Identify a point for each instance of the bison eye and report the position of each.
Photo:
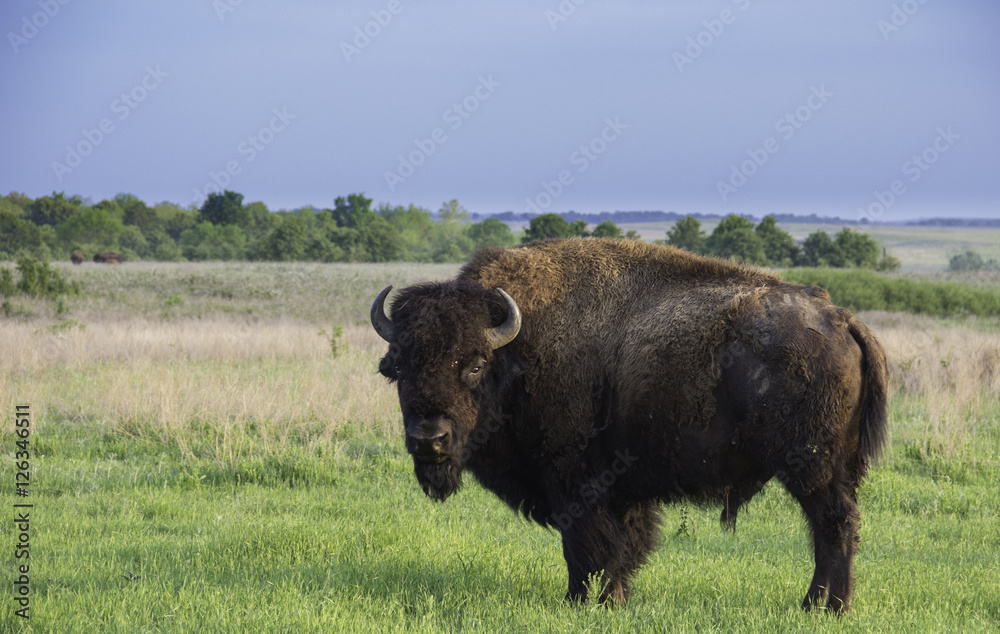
(472, 374)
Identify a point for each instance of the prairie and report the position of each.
(212, 450)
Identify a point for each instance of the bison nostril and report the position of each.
(429, 444)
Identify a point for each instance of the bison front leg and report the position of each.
(609, 547)
(591, 546)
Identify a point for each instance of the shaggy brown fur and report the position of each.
(76, 258)
(641, 374)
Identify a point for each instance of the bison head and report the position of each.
(442, 339)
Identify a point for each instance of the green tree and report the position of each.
(17, 203)
(553, 226)
(415, 227)
(491, 232)
(607, 229)
(17, 233)
(972, 261)
(112, 207)
(93, 227)
(379, 242)
(449, 238)
(223, 209)
(818, 249)
(687, 234)
(779, 246)
(452, 211)
(260, 221)
(206, 241)
(287, 241)
(856, 249)
(734, 237)
(967, 261)
(321, 249)
(135, 212)
(133, 244)
(52, 210)
(175, 219)
(355, 211)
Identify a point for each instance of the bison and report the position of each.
(108, 257)
(587, 381)
(76, 258)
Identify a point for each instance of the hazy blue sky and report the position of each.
(747, 106)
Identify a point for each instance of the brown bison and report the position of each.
(108, 257)
(609, 376)
(76, 258)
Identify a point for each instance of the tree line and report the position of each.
(226, 228)
(738, 238)
(765, 244)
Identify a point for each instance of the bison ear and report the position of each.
(382, 324)
(388, 368)
(505, 332)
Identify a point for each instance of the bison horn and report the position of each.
(505, 333)
(382, 324)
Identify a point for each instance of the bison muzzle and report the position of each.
(586, 382)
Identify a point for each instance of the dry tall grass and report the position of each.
(251, 386)
(945, 381)
(254, 386)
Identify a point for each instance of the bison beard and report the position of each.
(438, 480)
(617, 376)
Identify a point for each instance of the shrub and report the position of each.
(38, 279)
(866, 290)
(972, 261)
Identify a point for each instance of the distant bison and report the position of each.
(586, 381)
(76, 258)
(108, 257)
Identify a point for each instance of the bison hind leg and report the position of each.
(736, 497)
(833, 516)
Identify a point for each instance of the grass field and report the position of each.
(209, 454)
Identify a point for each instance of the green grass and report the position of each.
(319, 525)
(129, 534)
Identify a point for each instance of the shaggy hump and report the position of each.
(543, 271)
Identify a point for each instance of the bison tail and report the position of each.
(873, 427)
